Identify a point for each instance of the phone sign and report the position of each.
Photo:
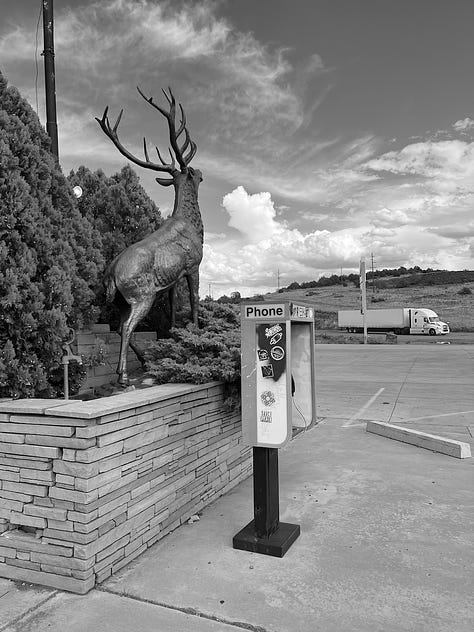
(264, 311)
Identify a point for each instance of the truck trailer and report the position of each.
(402, 320)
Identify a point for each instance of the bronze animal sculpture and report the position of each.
(158, 262)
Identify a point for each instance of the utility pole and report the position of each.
(49, 76)
(278, 278)
(363, 298)
(341, 276)
(373, 276)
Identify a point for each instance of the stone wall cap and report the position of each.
(94, 408)
(34, 406)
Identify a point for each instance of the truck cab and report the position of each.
(426, 321)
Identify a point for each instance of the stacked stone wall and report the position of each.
(100, 347)
(86, 487)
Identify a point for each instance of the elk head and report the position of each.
(181, 155)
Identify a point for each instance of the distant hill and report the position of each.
(438, 277)
(386, 278)
(449, 294)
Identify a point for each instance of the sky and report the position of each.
(327, 130)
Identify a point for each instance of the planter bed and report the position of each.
(86, 487)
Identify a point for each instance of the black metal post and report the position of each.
(49, 76)
(265, 533)
(266, 502)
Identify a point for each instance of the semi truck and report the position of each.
(403, 320)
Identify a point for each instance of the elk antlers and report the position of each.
(179, 152)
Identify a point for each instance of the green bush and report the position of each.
(196, 355)
(50, 256)
(465, 290)
(325, 320)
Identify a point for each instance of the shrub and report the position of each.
(49, 255)
(196, 355)
(464, 291)
(325, 320)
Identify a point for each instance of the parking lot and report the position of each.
(424, 387)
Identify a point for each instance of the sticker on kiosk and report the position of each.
(271, 383)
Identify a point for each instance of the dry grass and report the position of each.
(445, 300)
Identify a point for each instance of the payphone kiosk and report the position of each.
(278, 401)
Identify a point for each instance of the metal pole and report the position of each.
(49, 76)
(373, 275)
(66, 378)
(265, 491)
(363, 296)
(265, 533)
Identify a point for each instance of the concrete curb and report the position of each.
(458, 449)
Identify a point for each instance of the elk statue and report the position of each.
(174, 251)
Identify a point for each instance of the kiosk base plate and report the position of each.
(276, 544)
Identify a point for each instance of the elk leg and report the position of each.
(124, 310)
(137, 312)
(137, 351)
(193, 285)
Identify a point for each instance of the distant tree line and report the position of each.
(389, 278)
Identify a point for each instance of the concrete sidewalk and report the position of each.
(386, 536)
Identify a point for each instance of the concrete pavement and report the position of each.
(427, 388)
(386, 528)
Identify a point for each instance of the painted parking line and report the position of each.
(353, 421)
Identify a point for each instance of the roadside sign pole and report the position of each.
(363, 294)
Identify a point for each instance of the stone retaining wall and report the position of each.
(85, 487)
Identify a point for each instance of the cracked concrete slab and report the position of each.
(17, 598)
(112, 613)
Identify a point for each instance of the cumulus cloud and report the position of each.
(446, 159)
(250, 261)
(425, 183)
(252, 215)
(391, 217)
(266, 244)
(463, 124)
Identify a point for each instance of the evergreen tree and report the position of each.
(118, 207)
(49, 255)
